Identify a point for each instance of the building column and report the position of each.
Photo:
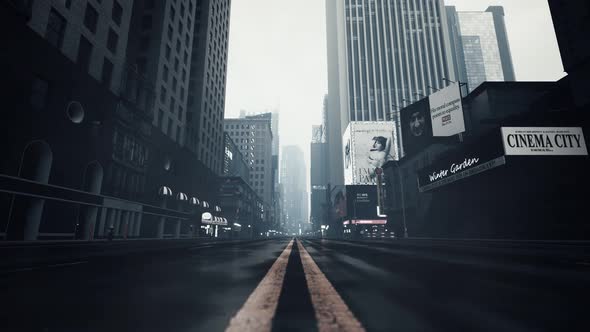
(131, 228)
(125, 223)
(102, 221)
(32, 218)
(177, 228)
(160, 232)
(137, 230)
(87, 219)
(118, 222)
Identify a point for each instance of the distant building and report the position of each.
(381, 58)
(318, 178)
(242, 207)
(480, 46)
(293, 179)
(234, 164)
(253, 136)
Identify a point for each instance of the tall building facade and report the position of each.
(161, 49)
(91, 33)
(293, 179)
(386, 54)
(253, 136)
(318, 178)
(206, 92)
(480, 46)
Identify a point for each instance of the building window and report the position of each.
(160, 116)
(56, 28)
(117, 12)
(162, 94)
(170, 32)
(68, 4)
(168, 51)
(84, 53)
(172, 13)
(107, 72)
(112, 41)
(91, 18)
(165, 74)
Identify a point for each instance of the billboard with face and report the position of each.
(368, 145)
(416, 126)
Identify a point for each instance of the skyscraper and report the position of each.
(253, 136)
(206, 92)
(293, 178)
(480, 46)
(389, 54)
(161, 47)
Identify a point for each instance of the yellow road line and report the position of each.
(260, 308)
(331, 313)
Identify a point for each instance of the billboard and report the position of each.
(544, 141)
(416, 126)
(460, 164)
(362, 204)
(337, 203)
(367, 145)
(446, 111)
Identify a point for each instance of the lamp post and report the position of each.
(401, 184)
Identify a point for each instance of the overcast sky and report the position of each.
(277, 56)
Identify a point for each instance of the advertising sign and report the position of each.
(362, 203)
(459, 165)
(416, 126)
(446, 111)
(544, 141)
(367, 146)
(338, 202)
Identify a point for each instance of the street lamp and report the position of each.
(401, 184)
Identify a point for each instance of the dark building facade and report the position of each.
(516, 197)
(207, 80)
(81, 157)
(319, 179)
(242, 206)
(570, 19)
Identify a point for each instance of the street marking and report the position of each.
(35, 268)
(331, 313)
(200, 247)
(259, 309)
(68, 264)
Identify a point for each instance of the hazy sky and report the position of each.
(277, 56)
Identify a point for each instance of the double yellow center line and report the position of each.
(331, 313)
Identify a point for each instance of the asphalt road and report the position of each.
(390, 288)
(192, 289)
(386, 287)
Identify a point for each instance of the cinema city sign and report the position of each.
(544, 141)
